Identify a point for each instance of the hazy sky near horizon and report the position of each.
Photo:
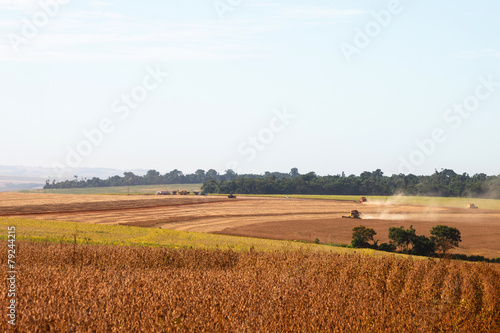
(255, 86)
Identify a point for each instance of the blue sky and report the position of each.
(229, 77)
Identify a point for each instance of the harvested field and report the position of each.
(83, 288)
(35, 204)
(133, 189)
(274, 218)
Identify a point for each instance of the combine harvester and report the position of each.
(354, 215)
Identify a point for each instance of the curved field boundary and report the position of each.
(67, 232)
(87, 207)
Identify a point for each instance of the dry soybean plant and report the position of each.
(91, 288)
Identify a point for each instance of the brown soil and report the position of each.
(275, 218)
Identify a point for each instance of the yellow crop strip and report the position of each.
(85, 233)
(65, 232)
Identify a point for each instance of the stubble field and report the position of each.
(273, 218)
(179, 281)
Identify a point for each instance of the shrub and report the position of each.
(387, 247)
(361, 235)
(423, 246)
(445, 238)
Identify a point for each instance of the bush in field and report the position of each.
(361, 235)
(402, 238)
(445, 238)
(387, 247)
(473, 258)
(423, 246)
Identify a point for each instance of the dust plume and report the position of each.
(384, 216)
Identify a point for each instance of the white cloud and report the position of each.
(95, 15)
(101, 4)
(75, 38)
(315, 12)
(106, 35)
(305, 11)
(149, 53)
(17, 4)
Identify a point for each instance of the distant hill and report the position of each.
(15, 178)
(16, 183)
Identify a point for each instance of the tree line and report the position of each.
(444, 183)
(152, 177)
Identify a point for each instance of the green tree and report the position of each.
(175, 177)
(230, 175)
(423, 246)
(294, 172)
(200, 175)
(310, 176)
(152, 177)
(361, 235)
(212, 174)
(210, 186)
(445, 238)
(402, 237)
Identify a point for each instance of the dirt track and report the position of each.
(276, 218)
